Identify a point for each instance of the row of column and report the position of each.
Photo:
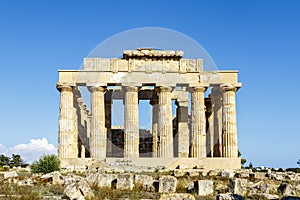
(162, 123)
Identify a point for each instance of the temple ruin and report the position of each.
(201, 134)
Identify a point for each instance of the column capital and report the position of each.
(131, 89)
(228, 87)
(64, 87)
(165, 89)
(199, 88)
(96, 88)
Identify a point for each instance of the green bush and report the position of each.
(46, 164)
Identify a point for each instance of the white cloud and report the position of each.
(30, 151)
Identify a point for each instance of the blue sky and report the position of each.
(261, 39)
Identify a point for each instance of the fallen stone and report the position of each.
(285, 189)
(177, 196)
(179, 173)
(274, 176)
(204, 187)
(227, 173)
(167, 184)
(229, 197)
(55, 177)
(11, 174)
(145, 181)
(101, 180)
(70, 179)
(259, 187)
(85, 189)
(238, 186)
(73, 193)
(125, 182)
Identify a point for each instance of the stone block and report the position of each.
(11, 174)
(285, 189)
(125, 182)
(259, 187)
(227, 173)
(167, 184)
(72, 192)
(144, 180)
(204, 187)
(238, 186)
(101, 180)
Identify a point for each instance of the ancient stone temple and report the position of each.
(202, 133)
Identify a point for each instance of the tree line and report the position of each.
(14, 161)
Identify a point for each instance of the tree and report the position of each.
(16, 160)
(250, 165)
(4, 160)
(46, 164)
(243, 160)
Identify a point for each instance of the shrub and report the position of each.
(46, 164)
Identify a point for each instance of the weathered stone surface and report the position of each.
(79, 191)
(204, 187)
(285, 189)
(27, 181)
(85, 189)
(259, 187)
(71, 178)
(227, 173)
(125, 182)
(177, 196)
(144, 180)
(101, 180)
(274, 176)
(73, 193)
(238, 186)
(167, 184)
(179, 173)
(54, 177)
(11, 174)
(229, 197)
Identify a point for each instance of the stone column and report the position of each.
(182, 128)
(229, 132)
(165, 128)
(131, 128)
(155, 108)
(98, 130)
(198, 146)
(108, 127)
(216, 120)
(67, 136)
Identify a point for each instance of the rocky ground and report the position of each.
(176, 184)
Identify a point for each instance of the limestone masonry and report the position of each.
(205, 137)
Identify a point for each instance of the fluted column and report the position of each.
(108, 127)
(229, 132)
(165, 128)
(216, 120)
(98, 130)
(182, 128)
(155, 108)
(131, 128)
(198, 146)
(67, 137)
